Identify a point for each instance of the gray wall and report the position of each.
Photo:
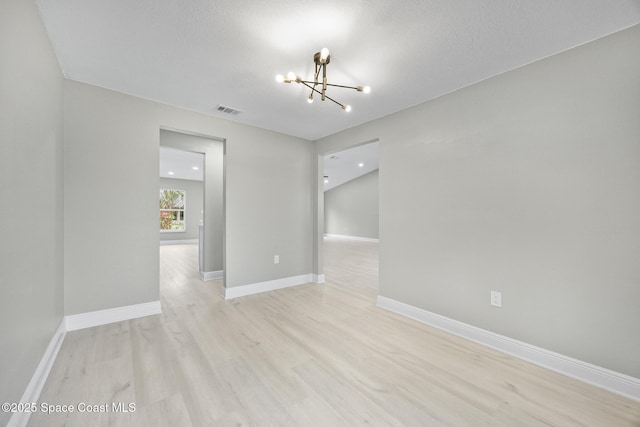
(112, 153)
(527, 183)
(194, 206)
(31, 144)
(351, 209)
(213, 191)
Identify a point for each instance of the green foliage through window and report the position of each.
(172, 206)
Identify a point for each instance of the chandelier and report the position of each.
(321, 59)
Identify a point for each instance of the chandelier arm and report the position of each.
(308, 84)
(317, 91)
(330, 84)
(331, 99)
(324, 80)
(343, 86)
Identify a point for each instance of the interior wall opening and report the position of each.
(348, 203)
(192, 175)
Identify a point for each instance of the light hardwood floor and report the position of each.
(312, 355)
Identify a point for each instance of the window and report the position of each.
(172, 206)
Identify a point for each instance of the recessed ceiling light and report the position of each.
(195, 168)
(360, 164)
(170, 173)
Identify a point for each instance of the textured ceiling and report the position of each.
(197, 54)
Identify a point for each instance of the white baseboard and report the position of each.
(34, 388)
(317, 278)
(607, 379)
(178, 242)
(211, 275)
(111, 315)
(270, 285)
(72, 323)
(362, 239)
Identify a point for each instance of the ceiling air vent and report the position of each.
(228, 110)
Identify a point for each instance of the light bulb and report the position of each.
(291, 75)
(310, 99)
(280, 78)
(324, 54)
(347, 108)
(326, 181)
(360, 164)
(366, 89)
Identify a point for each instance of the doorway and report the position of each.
(350, 182)
(211, 222)
(347, 197)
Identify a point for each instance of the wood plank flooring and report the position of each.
(312, 355)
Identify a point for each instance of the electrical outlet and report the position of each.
(496, 299)
(276, 259)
